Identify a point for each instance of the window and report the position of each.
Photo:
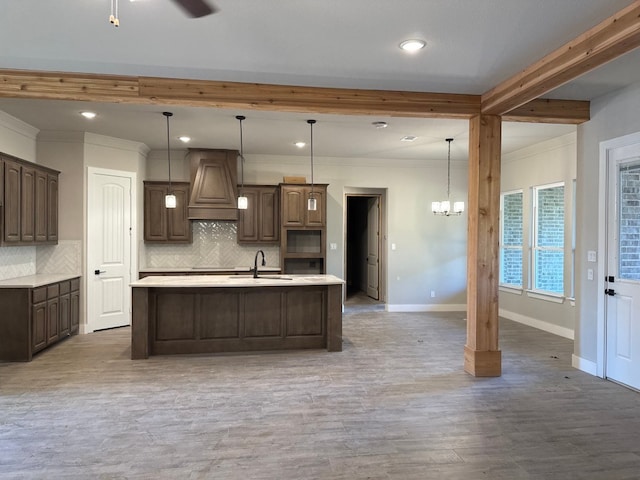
(548, 239)
(511, 239)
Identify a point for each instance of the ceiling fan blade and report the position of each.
(196, 8)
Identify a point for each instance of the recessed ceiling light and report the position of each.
(88, 115)
(184, 139)
(408, 138)
(380, 124)
(412, 45)
(300, 144)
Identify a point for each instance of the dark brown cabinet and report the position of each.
(166, 225)
(294, 205)
(30, 203)
(37, 317)
(260, 222)
(303, 232)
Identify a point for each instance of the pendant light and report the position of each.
(312, 204)
(170, 198)
(243, 202)
(444, 208)
(113, 18)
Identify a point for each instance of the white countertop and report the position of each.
(33, 281)
(205, 269)
(264, 280)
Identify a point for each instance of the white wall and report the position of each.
(544, 163)
(612, 115)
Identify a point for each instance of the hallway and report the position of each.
(395, 404)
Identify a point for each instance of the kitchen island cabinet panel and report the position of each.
(175, 317)
(262, 314)
(219, 316)
(304, 315)
(211, 314)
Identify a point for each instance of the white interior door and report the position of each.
(622, 305)
(109, 249)
(373, 248)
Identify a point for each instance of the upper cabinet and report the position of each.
(214, 178)
(167, 225)
(29, 203)
(260, 222)
(294, 205)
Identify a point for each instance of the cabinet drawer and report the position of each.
(39, 295)
(53, 291)
(75, 284)
(65, 287)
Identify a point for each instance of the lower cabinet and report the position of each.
(37, 318)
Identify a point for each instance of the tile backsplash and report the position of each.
(65, 257)
(17, 262)
(214, 245)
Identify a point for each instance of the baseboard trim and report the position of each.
(584, 365)
(445, 307)
(539, 324)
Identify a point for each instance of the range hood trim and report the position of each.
(214, 179)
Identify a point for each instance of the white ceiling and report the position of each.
(471, 46)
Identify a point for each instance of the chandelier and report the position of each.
(444, 207)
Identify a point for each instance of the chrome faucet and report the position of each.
(255, 263)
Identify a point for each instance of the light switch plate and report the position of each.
(334, 246)
(591, 256)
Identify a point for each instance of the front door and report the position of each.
(109, 249)
(373, 247)
(622, 305)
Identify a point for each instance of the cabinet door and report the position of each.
(269, 219)
(41, 201)
(52, 208)
(53, 319)
(248, 219)
(74, 311)
(12, 199)
(64, 326)
(178, 225)
(155, 214)
(27, 211)
(293, 206)
(316, 218)
(39, 326)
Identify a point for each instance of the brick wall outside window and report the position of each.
(548, 249)
(511, 239)
(629, 223)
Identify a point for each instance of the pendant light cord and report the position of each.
(240, 118)
(168, 114)
(449, 140)
(311, 122)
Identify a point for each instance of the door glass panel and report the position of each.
(629, 221)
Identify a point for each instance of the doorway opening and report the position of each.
(364, 253)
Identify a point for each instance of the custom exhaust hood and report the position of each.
(214, 184)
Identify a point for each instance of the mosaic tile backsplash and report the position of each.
(214, 245)
(17, 262)
(65, 257)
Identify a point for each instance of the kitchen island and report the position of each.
(235, 313)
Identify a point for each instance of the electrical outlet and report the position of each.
(433, 294)
(590, 274)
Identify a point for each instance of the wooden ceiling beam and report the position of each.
(206, 93)
(541, 110)
(610, 39)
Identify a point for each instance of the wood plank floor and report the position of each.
(395, 404)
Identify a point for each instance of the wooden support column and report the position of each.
(482, 358)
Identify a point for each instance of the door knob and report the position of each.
(98, 272)
(610, 291)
